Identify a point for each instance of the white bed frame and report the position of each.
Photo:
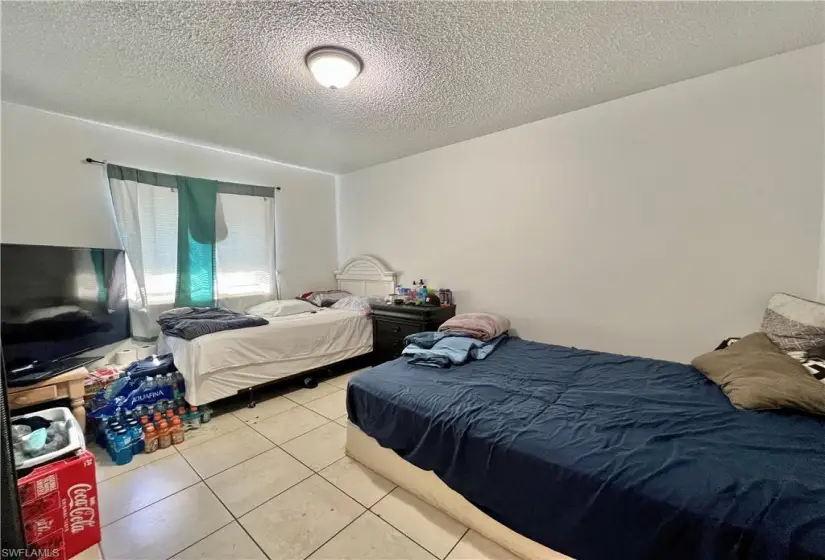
(366, 276)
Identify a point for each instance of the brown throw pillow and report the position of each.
(756, 375)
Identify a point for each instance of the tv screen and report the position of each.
(56, 302)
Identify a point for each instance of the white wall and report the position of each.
(655, 224)
(49, 197)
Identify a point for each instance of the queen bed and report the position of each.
(221, 364)
(554, 451)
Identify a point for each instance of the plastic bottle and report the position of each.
(102, 426)
(169, 415)
(136, 435)
(194, 418)
(414, 292)
(206, 414)
(177, 384)
(111, 434)
(173, 383)
(150, 437)
(149, 383)
(156, 418)
(422, 291)
(164, 437)
(123, 447)
(177, 431)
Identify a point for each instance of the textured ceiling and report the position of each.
(232, 74)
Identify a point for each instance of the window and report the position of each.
(244, 253)
(245, 257)
(146, 207)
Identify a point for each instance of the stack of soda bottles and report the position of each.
(147, 427)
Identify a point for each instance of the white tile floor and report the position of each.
(271, 482)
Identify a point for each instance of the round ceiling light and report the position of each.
(333, 67)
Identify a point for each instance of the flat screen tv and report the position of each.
(58, 302)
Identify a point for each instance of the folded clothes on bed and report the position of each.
(484, 326)
(191, 322)
(438, 349)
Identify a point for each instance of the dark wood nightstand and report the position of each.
(391, 323)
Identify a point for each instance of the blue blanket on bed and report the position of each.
(606, 456)
(441, 349)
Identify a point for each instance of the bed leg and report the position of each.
(309, 382)
(252, 402)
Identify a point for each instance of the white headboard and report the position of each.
(366, 276)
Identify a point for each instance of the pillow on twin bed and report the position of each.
(281, 308)
(359, 304)
(756, 375)
(325, 298)
(794, 324)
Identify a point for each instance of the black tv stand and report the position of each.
(40, 372)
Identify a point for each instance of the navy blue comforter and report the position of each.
(604, 456)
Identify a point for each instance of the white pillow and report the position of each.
(359, 304)
(281, 308)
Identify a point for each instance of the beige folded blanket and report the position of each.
(483, 326)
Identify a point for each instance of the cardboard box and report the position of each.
(59, 505)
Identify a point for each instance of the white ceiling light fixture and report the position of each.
(333, 67)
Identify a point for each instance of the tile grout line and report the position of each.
(232, 515)
(153, 503)
(227, 468)
(205, 537)
(461, 538)
(421, 546)
(387, 521)
(313, 473)
(337, 532)
(217, 436)
(156, 501)
(316, 398)
(99, 482)
(299, 435)
(272, 498)
(200, 479)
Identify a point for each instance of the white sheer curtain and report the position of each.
(147, 221)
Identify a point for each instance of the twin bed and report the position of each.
(549, 450)
(221, 364)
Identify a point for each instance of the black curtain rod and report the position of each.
(98, 162)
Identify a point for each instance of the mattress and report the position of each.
(599, 455)
(219, 365)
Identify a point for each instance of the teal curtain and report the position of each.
(197, 200)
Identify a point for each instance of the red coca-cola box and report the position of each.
(59, 504)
